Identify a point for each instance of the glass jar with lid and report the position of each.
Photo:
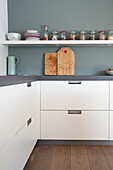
(54, 35)
(92, 35)
(72, 35)
(110, 35)
(82, 35)
(63, 35)
(102, 35)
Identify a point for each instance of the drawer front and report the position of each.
(7, 156)
(85, 95)
(85, 125)
(25, 141)
(111, 95)
(8, 113)
(111, 125)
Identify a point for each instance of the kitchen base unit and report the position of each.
(7, 156)
(74, 125)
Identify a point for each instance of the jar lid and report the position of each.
(54, 32)
(83, 32)
(101, 31)
(63, 32)
(92, 32)
(45, 25)
(72, 32)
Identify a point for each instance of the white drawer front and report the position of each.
(111, 125)
(25, 141)
(111, 95)
(89, 125)
(60, 95)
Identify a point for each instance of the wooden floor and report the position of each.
(71, 158)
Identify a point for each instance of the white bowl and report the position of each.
(13, 36)
(109, 72)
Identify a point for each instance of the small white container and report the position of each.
(14, 36)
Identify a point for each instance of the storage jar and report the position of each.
(63, 35)
(92, 35)
(54, 35)
(102, 35)
(82, 35)
(72, 35)
(110, 35)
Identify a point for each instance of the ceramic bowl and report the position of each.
(109, 72)
(14, 36)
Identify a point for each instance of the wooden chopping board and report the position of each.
(50, 63)
(66, 61)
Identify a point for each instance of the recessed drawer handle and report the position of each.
(74, 82)
(74, 112)
(29, 121)
(29, 84)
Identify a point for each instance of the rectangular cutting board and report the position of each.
(65, 61)
(50, 63)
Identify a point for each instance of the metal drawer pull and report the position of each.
(29, 84)
(74, 82)
(29, 121)
(74, 112)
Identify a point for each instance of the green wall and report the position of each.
(62, 15)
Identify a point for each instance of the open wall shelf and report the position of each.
(59, 43)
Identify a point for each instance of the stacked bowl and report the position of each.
(32, 35)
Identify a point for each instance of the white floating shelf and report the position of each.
(59, 42)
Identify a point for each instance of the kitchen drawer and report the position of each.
(111, 95)
(85, 95)
(8, 113)
(25, 141)
(7, 156)
(89, 125)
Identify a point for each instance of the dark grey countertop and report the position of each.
(11, 80)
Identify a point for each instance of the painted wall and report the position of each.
(62, 15)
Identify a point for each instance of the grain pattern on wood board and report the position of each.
(108, 151)
(43, 159)
(97, 159)
(66, 61)
(50, 64)
(61, 158)
(79, 158)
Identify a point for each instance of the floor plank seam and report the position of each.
(106, 158)
(88, 156)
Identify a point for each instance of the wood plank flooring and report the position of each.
(74, 157)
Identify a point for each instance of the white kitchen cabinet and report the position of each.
(111, 95)
(25, 141)
(8, 113)
(89, 125)
(29, 104)
(111, 125)
(85, 95)
(7, 156)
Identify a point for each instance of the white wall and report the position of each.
(3, 32)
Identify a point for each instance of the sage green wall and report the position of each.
(62, 15)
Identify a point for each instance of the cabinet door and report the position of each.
(7, 156)
(8, 113)
(111, 95)
(29, 104)
(89, 125)
(111, 125)
(25, 141)
(85, 95)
